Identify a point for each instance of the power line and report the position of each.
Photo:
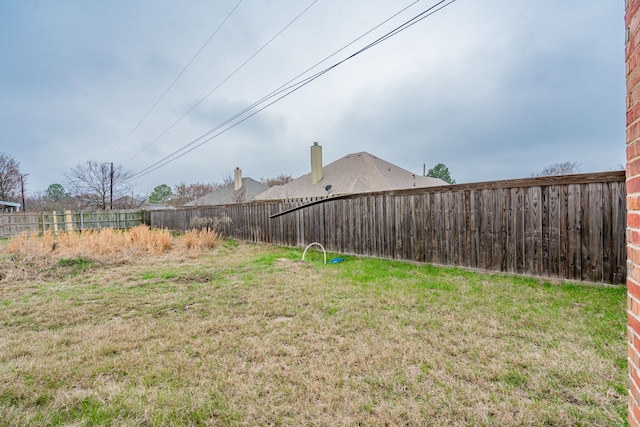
(284, 86)
(224, 80)
(178, 77)
(266, 97)
(287, 91)
(292, 88)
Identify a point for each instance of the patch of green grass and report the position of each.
(268, 260)
(76, 265)
(86, 412)
(230, 243)
(165, 274)
(265, 260)
(514, 378)
(75, 262)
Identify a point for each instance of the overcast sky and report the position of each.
(494, 89)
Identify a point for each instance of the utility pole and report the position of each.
(111, 188)
(22, 186)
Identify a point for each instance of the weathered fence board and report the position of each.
(570, 227)
(12, 224)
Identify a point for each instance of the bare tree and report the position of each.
(240, 196)
(36, 202)
(277, 180)
(566, 168)
(98, 184)
(228, 178)
(10, 179)
(185, 193)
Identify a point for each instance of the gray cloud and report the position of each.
(495, 89)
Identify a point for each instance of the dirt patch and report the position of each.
(204, 277)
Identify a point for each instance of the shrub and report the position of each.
(216, 223)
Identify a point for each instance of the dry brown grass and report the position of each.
(32, 254)
(250, 335)
(91, 242)
(196, 240)
(109, 242)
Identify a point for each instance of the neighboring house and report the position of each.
(127, 202)
(9, 206)
(240, 191)
(146, 206)
(354, 173)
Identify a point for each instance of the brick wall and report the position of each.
(632, 53)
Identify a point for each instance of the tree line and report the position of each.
(98, 186)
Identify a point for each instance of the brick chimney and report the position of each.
(316, 163)
(237, 176)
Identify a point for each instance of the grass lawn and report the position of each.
(248, 334)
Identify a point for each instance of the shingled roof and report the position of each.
(353, 173)
(227, 195)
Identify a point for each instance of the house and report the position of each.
(240, 191)
(127, 202)
(10, 206)
(146, 206)
(354, 173)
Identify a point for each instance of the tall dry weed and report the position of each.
(108, 242)
(195, 240)
(30, 244)
(17, 243)
(151, 241)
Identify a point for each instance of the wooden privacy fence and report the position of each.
(569, 227)
(37, 222)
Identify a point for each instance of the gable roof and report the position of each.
(354, 173)
(227, 194)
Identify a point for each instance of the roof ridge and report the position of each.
(370, 160)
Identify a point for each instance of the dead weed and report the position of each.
(30, 256)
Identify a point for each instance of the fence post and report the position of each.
(65, 220)
(68, 221)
